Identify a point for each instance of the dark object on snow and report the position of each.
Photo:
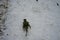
(4, 28)
(0, 30)
(26, 25)
(57, 4)
(36, 0)
(7, 34)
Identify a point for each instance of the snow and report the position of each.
(43, 16)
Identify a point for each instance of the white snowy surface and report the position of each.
(43, 16)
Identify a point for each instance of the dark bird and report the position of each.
(57, 4)
(36, 0)
(26, 25)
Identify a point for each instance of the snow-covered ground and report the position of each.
(43, 16)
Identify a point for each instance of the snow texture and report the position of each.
(3, 10)
(43, 16)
